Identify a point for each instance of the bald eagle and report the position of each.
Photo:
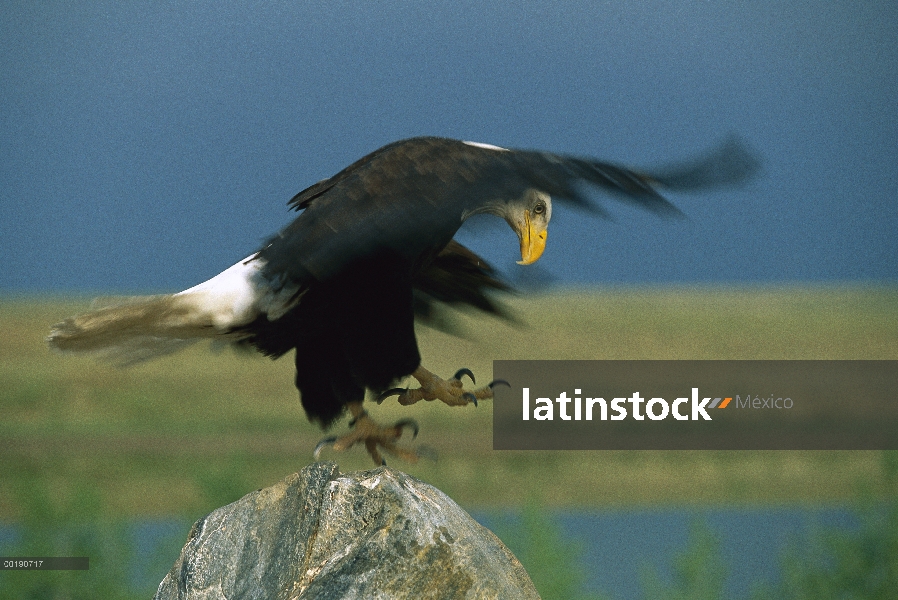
(372, 248)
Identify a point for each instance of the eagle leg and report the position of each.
(366, 430)
(450, 391)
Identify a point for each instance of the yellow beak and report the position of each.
(532, 242)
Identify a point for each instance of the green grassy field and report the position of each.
(179, 435)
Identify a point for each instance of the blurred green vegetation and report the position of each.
(822, 563)
(553, 561)
(838, 564)
(699, 572)
(87, 447)
(78, 527)
(139, 435)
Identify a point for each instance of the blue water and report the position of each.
(618, 545)
(151, 547)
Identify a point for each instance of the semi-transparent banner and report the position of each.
(696, 405)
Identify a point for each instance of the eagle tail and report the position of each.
(129, 330)
(125, 331)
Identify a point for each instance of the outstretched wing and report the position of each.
(562, 177)
(410, 197)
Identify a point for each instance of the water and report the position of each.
(618, 545)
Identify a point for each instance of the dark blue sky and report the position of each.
(147, 147)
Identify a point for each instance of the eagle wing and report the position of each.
(410, 198)
(456, 277)
(563, 177)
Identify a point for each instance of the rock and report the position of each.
(322, 534)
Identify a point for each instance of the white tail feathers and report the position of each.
(128, 330)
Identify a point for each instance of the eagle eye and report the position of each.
(539, 208)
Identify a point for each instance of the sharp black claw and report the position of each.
(496, 382)
(383, 462)
(461, 372)
(408, 423)
(470, 397)
(391, 392)
(325, 442)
